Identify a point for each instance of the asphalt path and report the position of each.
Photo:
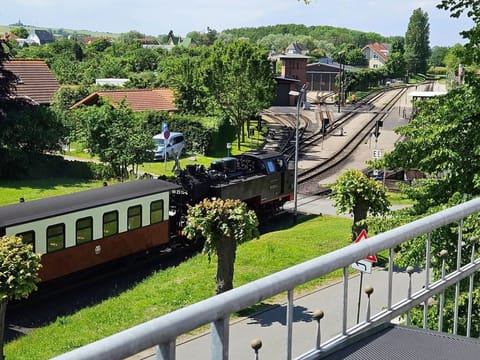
(270, 325)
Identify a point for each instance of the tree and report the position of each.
(396, 65)
(19, 267)
(31, 129)
(223, 224)
(442, 142)
(241, 81)
(21, 32)
(186, 72)
(437, 57)
(356, 194)
(8, 81)
(115, 135)
(417, 43)
(25, 128)
(355, 57)
(472, 10)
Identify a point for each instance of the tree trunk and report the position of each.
(3, 310)
(239, 134)
(360, 212)
(226, 249)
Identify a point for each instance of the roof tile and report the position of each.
(138, 99)
(35, 80)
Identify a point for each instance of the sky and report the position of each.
(158, 17)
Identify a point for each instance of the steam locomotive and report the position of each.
(82, 230)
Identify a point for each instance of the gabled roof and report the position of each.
(296, 48)
(35, 80)
(381, 50)
(43, 36)
(138, 99)
(330, 66)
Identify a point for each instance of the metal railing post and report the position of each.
(220, 339)
(410, 270)
(165, 351)
(457, 285)
(427, 276)
(345, 300)
(443, 254)
(318, 315)
(470, 289)
(289, 323)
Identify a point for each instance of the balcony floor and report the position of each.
(396, 342)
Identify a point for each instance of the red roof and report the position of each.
(138, 99)
(380, 49)
(35, 80)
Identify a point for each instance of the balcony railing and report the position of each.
(162, 333)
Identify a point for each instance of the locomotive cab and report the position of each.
(261, 178)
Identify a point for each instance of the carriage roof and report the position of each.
(57, 205)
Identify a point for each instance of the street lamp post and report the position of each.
(300, 94)
(341, 71)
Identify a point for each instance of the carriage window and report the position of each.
(110, 223)
(55, 237)
(156, 211)
(84, 230)
(134, 220)
(28, 237)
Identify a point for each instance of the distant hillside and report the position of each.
(60, 32)
(332, 35)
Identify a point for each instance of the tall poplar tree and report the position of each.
(417, 42)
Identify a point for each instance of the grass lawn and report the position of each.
(12, 191)
(191, 281)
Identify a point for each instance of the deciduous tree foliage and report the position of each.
(7, 81)
(443, 142)
(223, 224)
(470, 8)
(19, 267)
(116, 135)
(354, 193)
(240, 81)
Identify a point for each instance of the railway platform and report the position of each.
(372, 147)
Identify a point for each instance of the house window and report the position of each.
(28, 237)
(156, 212)
(84, 230)
(55, 237)
(110, 223)
(134, 219)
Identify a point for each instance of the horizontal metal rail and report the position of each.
(163, 331)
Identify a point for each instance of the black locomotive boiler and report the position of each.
(260, 178)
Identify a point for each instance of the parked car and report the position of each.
(175, 144)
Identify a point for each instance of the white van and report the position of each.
(174, 145)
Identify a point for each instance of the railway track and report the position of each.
(364, 116)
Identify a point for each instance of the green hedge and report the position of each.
(42, 166)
